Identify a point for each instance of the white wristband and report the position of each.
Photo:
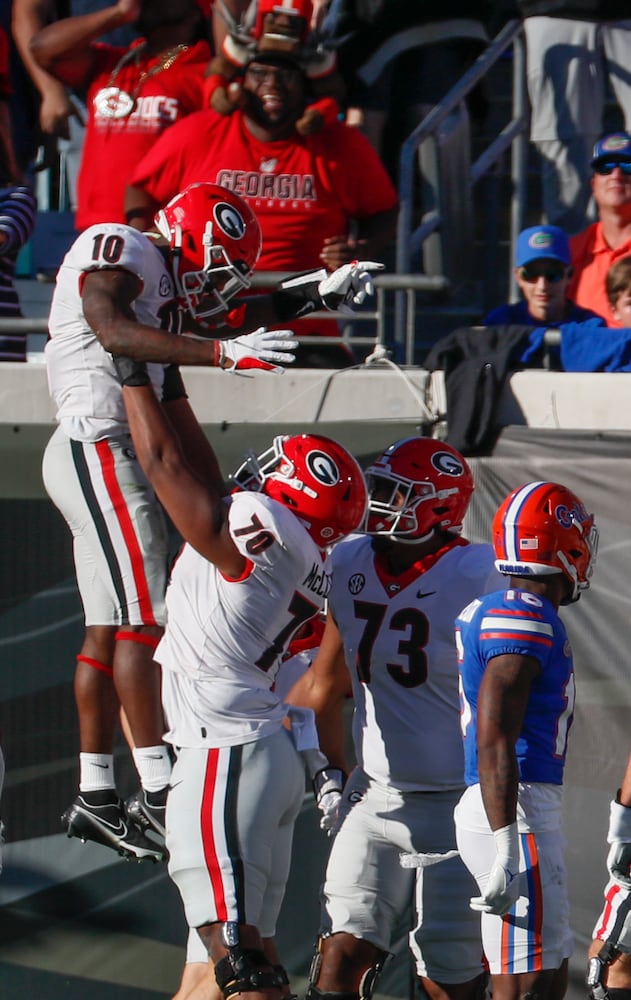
(619, 823)
(507, 844)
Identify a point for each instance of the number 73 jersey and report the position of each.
(398, 635)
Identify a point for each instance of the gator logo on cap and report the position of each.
(541, 241)
(615, 143)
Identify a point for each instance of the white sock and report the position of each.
(97, 771)
(154, 767)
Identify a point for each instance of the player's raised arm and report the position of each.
(196, 509)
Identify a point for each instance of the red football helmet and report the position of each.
(543, 528)
(416, 485)
(215, 241)
(280, 21)
(316, 478)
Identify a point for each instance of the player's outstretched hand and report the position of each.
(503, 886)
(265, 350)
(619, 836)
(349, 285)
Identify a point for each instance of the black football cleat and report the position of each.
(107, 824)
(147, 810)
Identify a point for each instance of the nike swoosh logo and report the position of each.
(120, 827)
(104, 767)
(420, 594)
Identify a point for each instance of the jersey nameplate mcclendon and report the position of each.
(111, 102)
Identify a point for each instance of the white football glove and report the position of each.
(327, 789)
(503, 885)
(349, 285)
(619, 836)
(266, 350)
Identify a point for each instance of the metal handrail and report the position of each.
(512, 136)
(408, 284)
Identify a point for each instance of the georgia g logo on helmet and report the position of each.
(229, 220)
(444, 461)
(323, 468)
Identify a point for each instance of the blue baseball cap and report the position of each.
(542, 242)
(613, 148)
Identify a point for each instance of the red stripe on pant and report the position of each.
(108, 470)
(208, 834)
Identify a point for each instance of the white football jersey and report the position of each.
(81, 374)
(398, 635)
(225, 638)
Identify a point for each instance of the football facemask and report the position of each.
(215, 241)
(416, 486)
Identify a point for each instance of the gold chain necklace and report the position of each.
(111, 101)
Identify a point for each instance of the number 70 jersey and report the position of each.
(225, 638)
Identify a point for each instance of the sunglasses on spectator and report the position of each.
(607, 167)
(532, 273)
(285, 75)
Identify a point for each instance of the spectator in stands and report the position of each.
(322, 199)
(618, 285)
(133, 94)
(61, 114)
(609, 239)
(588, 342)
(573, 51)
(277, 28)
(17, 217)
(56, 108)
(542, 271)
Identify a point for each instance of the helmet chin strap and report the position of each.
(404, 540)
(419, 539)
(572, 577)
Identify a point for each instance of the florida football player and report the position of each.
(517, 681)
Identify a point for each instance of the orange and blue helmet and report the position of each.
(543, 528)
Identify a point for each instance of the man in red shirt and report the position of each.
(323, 199)
(133, 94)
(603, 243)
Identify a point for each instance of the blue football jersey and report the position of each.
(514, 621)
